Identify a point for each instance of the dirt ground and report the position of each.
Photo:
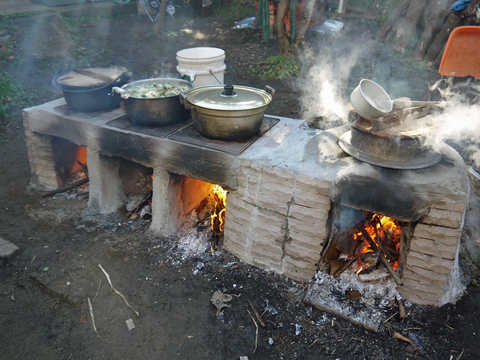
(46, 285)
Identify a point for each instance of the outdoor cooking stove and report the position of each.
(287, 192)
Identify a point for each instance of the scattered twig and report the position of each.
(31, 262)
(357, 339)
(92, 316)
(99, 282)
(401, 308)
(411, 329)
(116, 291)
(257, 315)
(256, 335)
(450, 327)
(459, 356)
(390, 317)
(399, 336)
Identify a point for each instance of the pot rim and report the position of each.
(368, 98)
(175, 80)
(253, 98)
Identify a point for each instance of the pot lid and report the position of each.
(89, 77)
(228, 97)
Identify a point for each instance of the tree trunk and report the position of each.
(401, 10)
(280, 28)
(302, 28)
(437, 45)
(159, 24)
(436, 10)
(407, 26)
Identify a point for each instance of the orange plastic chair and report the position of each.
(462, 53)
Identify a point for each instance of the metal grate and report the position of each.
(159, 131)
(190, 135)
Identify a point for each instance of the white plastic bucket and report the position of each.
(198, 62)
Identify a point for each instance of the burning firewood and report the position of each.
(65, 188)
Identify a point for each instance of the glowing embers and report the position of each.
(218, 216)
(364, 242)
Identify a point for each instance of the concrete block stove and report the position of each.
(282, 192)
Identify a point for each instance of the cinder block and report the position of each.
(425, 276)
(242, 180)
(48, 182)
(434, 248)
(45, 164)
(311, 230)
(273, 218)
(424, 290)
(311, 200)
(236, 228)
(410, 295)
(312, 185)
(269, 231)
(45, 173)
(301, 253)
(312, 243)
(309, 215)
(438, 233)
(298, 270)
(428, 262)
(278, 176)
(450, 219)
(234, 248)
(450, 205)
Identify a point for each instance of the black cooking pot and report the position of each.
(94, 91)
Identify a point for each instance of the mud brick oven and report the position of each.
(281, 192)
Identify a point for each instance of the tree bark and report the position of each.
(437, 45)
(401, 10)
(159, 24)
(436, 10)
(280, 27)
(407, 25)
(302, 28)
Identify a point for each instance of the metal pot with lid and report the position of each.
(227, 112)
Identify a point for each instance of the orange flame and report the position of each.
(218, 216)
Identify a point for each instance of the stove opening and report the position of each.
(371, 245)
(70, 164)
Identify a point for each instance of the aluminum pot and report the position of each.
(157, 111)
(227, 112)
(370, 101)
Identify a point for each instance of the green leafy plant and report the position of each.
(277, 67)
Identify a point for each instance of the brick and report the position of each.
(428, 262)
(278, 176)
(272, 218)
(234, 248)
(236, 228)
(44, 164)
(434, 248)
(49, 182)
(311, 230)
(43, 154)
(425, 276)
(450, 219)
(449, 204)
(438, 233)
(312, 185)
(238, 213)
(269, 231)
(311, 200)
(275, 199)
(242, 180)
(46, 173)
(255, 166)
(267, 254)
(245, 163)
(267, 243)
(312, 243)
(300, 253)
(307, 214)
(410, 295)
(434, 291)
(297, 273)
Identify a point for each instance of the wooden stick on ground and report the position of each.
(346, 266)
(90, 307)
(66, 188)
(257, 315)
(116, 291)
(399, 336)
(256, 335)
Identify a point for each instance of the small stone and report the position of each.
(7, 248)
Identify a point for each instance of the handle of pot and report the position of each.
(190, 74)
(270, 90)
(185, 102)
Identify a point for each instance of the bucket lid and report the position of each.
(228, 97)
